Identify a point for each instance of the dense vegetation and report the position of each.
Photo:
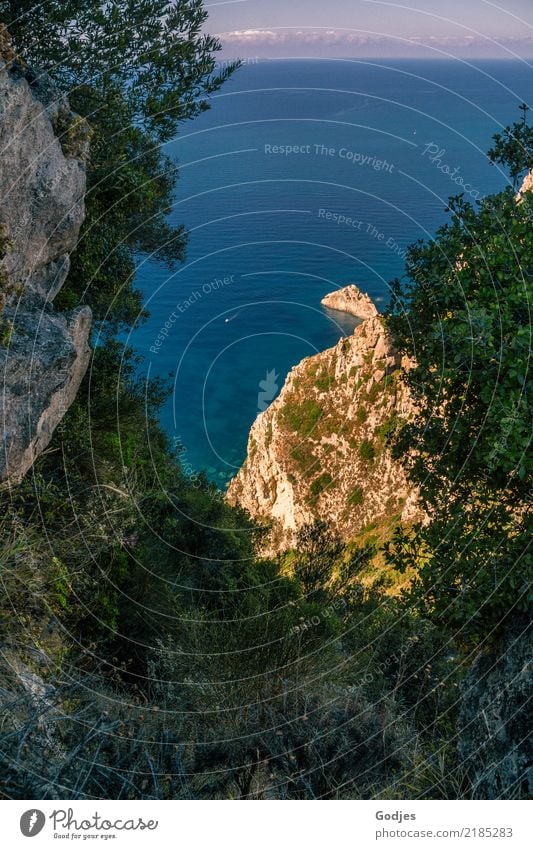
(148, 652)
(465, 317)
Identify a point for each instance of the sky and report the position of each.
(351, 28)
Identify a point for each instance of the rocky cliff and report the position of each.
(320, 450)
(43, 355)
(495, 724)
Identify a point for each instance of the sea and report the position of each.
(304, 176)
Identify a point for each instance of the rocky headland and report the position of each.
(321, 449)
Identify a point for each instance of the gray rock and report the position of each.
(495, 721)
(41, 368)
(42, 190)
(43, 355)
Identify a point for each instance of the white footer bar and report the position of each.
(267, 825)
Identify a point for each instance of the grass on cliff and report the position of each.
(301, 417)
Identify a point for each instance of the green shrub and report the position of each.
(356, 497)
(367, 451)
(307, 462)
(325, 380)
(301, 417)
(374, 391)
(320, 484)
(386, 431)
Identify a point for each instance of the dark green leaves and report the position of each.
(463, 314)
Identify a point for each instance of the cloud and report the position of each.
(338, 38)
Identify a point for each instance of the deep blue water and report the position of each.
(263, 250)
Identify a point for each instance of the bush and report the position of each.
(301, 417)
(356, 497)
(320, 484)
(367, 451)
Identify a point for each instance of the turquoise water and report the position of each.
(303, 177)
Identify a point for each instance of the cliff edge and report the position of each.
(43, 354)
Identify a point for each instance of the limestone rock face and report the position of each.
(495, 724)
(43, 355)
(351, 300)
(42, 190)
(41, 368)
(320, 450)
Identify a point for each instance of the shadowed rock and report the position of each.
(495, 724)
(43, 355)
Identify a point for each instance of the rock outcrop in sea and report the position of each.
(43, 354)
(321, 449)
(351, 300)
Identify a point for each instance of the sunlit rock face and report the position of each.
(351, 300)
(320, 450)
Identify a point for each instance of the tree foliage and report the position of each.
(134, 69)
(464, 315)
(513, 148)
